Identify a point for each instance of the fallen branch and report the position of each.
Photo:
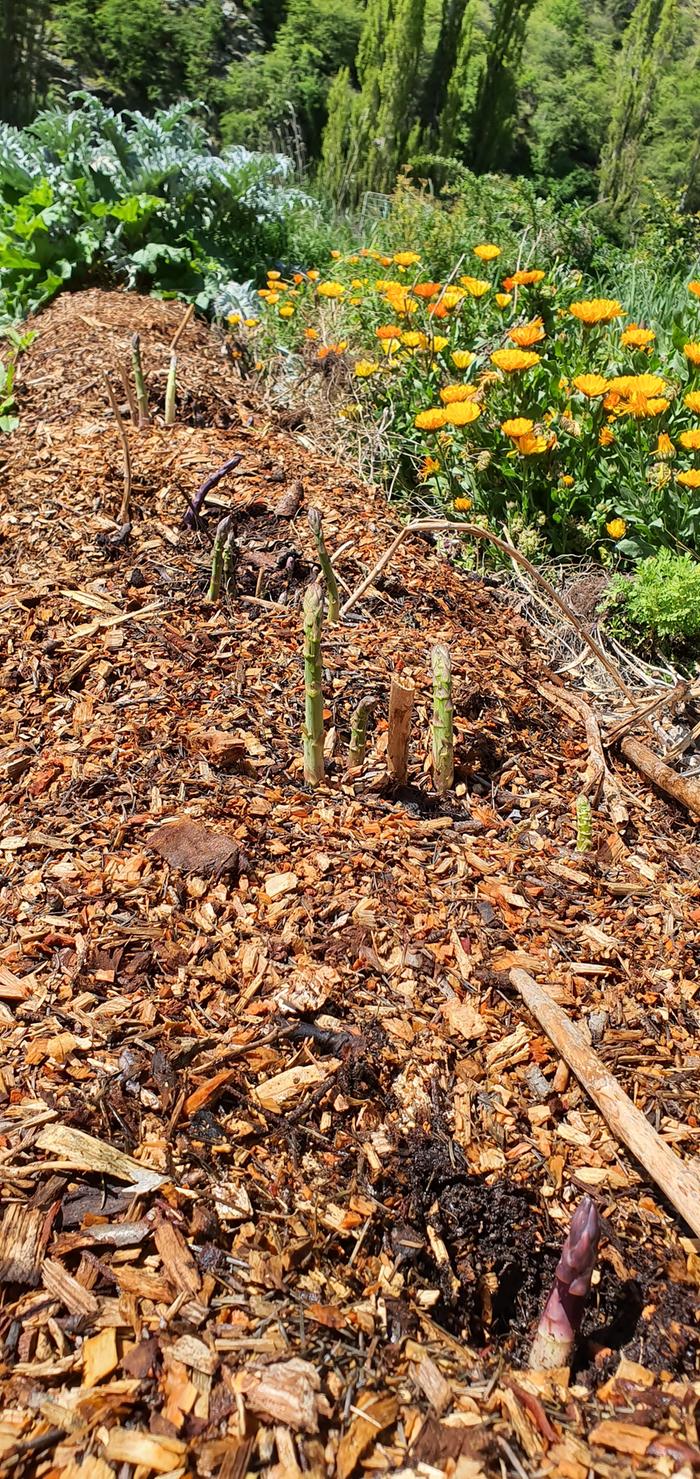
(435, 526)
(123, 516)
(681, 788)
(212, 481)
(678, 1181)
(597, 777)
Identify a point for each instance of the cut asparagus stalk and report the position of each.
(139, 382)
(313, 695)
(584, 824)
(170, 392)
(217, 559)
(229, 561)
(561, 1317)
(358, 733)
(316, 525)
(443, 719)
(400, 712)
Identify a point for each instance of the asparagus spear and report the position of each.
(561, 1317)
(358, 733)
(170, 391)
(313, 695)
(584, 824)
(316, 525)
(140, 383)
(443, 719)
(217, 559)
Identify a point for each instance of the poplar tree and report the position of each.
(443, 65)
(338, 153)
(22, 58)
(646, 46)
(491, 127)
(397, 86)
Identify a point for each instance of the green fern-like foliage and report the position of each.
(661, 601)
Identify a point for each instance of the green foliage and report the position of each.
(661, 601)
(647, 44)
(23, 61)
(143, 201)
(17, 343)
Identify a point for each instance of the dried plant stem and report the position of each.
(443, 719)
(170, 391)
(358, 733)
(313, 693)
(217, 559)
(229, 565)
(185, 320)
(140, 383)
(129, 393)
(123, 515)
(400, 712)
(316, 525)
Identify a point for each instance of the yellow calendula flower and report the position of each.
(694, 287)
(286, 311)
(634, 337)
(512, 360)
(428, 466)
(274, 276)
(412, 339)
(313, 274)
(566, 480)
(461, 359)
(366, 367)
(475, 286)
(330, 289)
(517, 426)
(692, 352)
(617, 528)
(270, 298)
(438, 343)
(486, 252)
(462, 414)
(462, 505)
(503, 299)
(690, 439)
(406, 259)
(689, 479)
(311, 333)
(590, 311)
(606, 437)
(451, 394)
(523, 279)
(525, 335)
(356, 283)
(336, 256)
(591, 385)
(431, 420)
(692, 400)
(625, 385)
(664, 448)
(251, 323)
(233, 319)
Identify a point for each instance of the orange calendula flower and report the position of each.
(274, 276)
(512, 360)
(664, 448)
(475, 286)
(462, 414)
(311, 333)
(366, 367)
(692, 352)
(616, 528)
(518, 426)
(387, 331)
(336, 256)
(451, 394)
(313, 274)
(486, 251)
(432, 419)
(461, 359)
(690, 439)
(428, 466)
(590, 311)
(525, 335)
(426, 289)
(533, 446)
(566, 480)
(591, 385)
(694, 287)
(503, 299)
(524, 279)
(338, 348)
(692, 400)
(606, 437)
(635, 337)
(406, 259)
(330, 289)
(437, 310)
(462, 505)
(624, 385)
(689, 479)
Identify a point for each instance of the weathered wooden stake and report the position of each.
(313, 693)
(443, 719)
(400, 712)
(316, 525)
(170, 392)
(140, 383)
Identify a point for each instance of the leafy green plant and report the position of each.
(661, 601)
(9, 421)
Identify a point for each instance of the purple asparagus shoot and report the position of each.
(561, 1317)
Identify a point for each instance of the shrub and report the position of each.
(661, 600)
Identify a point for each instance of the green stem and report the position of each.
(358, 733)
(217, 559)
(170, 391)
(313, 694)
(140, 383)
(443, 719)
(316, 526)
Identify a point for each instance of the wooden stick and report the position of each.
(597, 774)
(177, 337)
(682, 788)
(677, 1180)
(126, 495)
(129, 393)
(400, 712)
(427, 526)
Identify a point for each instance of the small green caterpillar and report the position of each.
(584, 824)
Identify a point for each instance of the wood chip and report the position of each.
(192, 847)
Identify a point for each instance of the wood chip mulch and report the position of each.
(285, 1164)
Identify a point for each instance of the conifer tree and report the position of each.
(495, 107)
(338, 154)
(22, 58)
(397, 91)
(443, 65)
(646, 46)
